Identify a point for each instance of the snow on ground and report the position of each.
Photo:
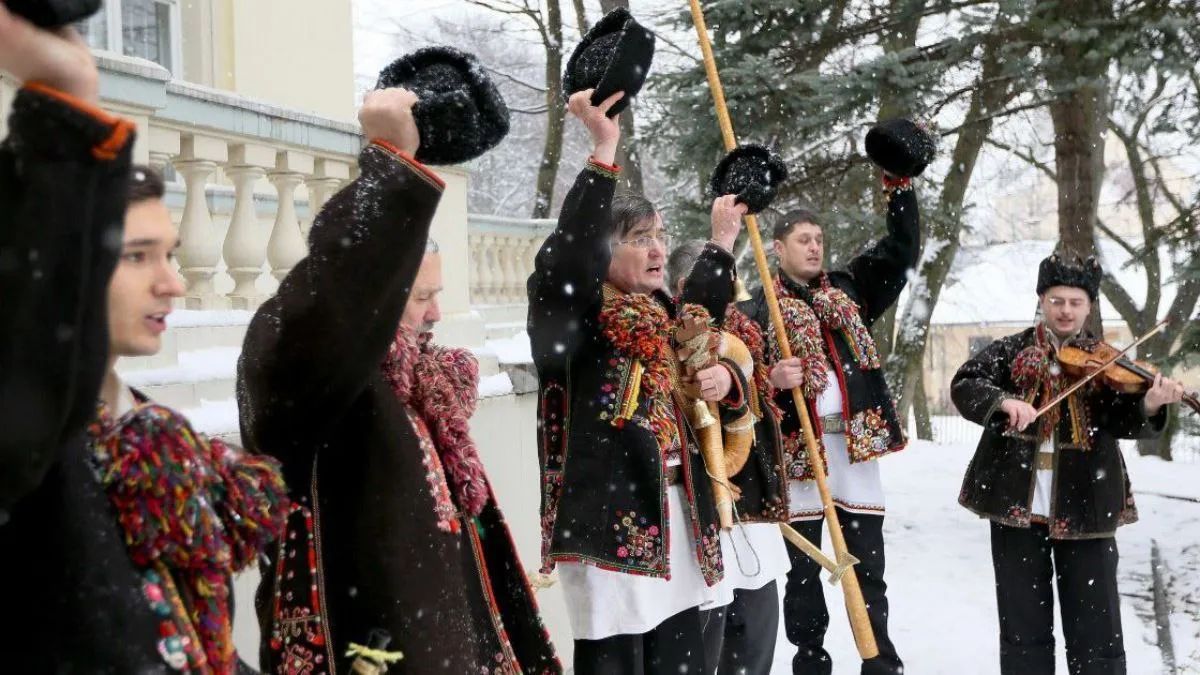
(511, 350)
(941, 588)
(197, 365)
(215, 418)
(182, 318)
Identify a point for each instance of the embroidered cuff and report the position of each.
(607, 170)
(410, 161)
(108, 134)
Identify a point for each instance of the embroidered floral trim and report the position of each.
(298, 643)
(637, 542)
(867, 435)
(712, 565)
(796, 459)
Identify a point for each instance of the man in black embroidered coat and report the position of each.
(390, 550)
(617, 454)
(64, 168)
(835, 364)
(740, 638)
(1055, 486)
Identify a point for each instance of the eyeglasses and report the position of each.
(648, 240)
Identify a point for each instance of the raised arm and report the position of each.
(880, 273)
(710, 282)
(64, 171)
(313, 347)
(570, 268)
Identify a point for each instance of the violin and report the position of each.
(1091, 358)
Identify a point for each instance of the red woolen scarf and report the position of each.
(442, 385)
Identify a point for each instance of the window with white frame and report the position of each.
(148, 29)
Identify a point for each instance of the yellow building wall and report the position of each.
(293, 53)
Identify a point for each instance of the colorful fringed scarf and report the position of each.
(1039, 378)
(839, 313)
(804, 338)
(639, 328)
(194, 511)
(442, 386)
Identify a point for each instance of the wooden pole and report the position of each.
(856, 607)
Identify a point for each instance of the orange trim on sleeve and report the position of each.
(410, 160)
(610, 167)
(122, 129)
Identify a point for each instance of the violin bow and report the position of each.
(1088, 378)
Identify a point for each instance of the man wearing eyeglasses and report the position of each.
(628, 515)
(1054, 485)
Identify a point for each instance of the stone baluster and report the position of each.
(487, 278)
(286, 246)
(199, 246)
(478, 268)
(245, 244)
(328, 177)
(165, 145)
(522, 267)
(491, 248)
(508, 251)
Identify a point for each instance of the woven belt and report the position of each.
(673, 474)
(833, 424)
(1044, 461)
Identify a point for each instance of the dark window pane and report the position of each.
(146, 30)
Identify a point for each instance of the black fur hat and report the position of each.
(1055, 271)
(52, 13)
(461, 114)
(614, 56)
(901, 147)
(752, 172)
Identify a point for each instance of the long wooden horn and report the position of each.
(860, 622)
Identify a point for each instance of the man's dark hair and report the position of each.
(681, 261)
(784, 226)
(629, 210)
(145, 183)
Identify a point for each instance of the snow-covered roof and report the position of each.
(997, 283)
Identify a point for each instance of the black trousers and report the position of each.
(1027, 562)
(805, 616)
(673, 646)
(751, 629)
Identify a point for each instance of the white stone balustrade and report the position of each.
(502, 251)
(248, 178)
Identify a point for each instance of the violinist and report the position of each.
(1054, 485)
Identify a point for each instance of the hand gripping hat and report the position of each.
(752, 172)
(614, 56)
(461, 114)
(901, 147)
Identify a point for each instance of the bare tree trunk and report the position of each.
(581, 21)
(944, 227)
(1080, 115)
(552, 38)
(628, 157)
(921, 410)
